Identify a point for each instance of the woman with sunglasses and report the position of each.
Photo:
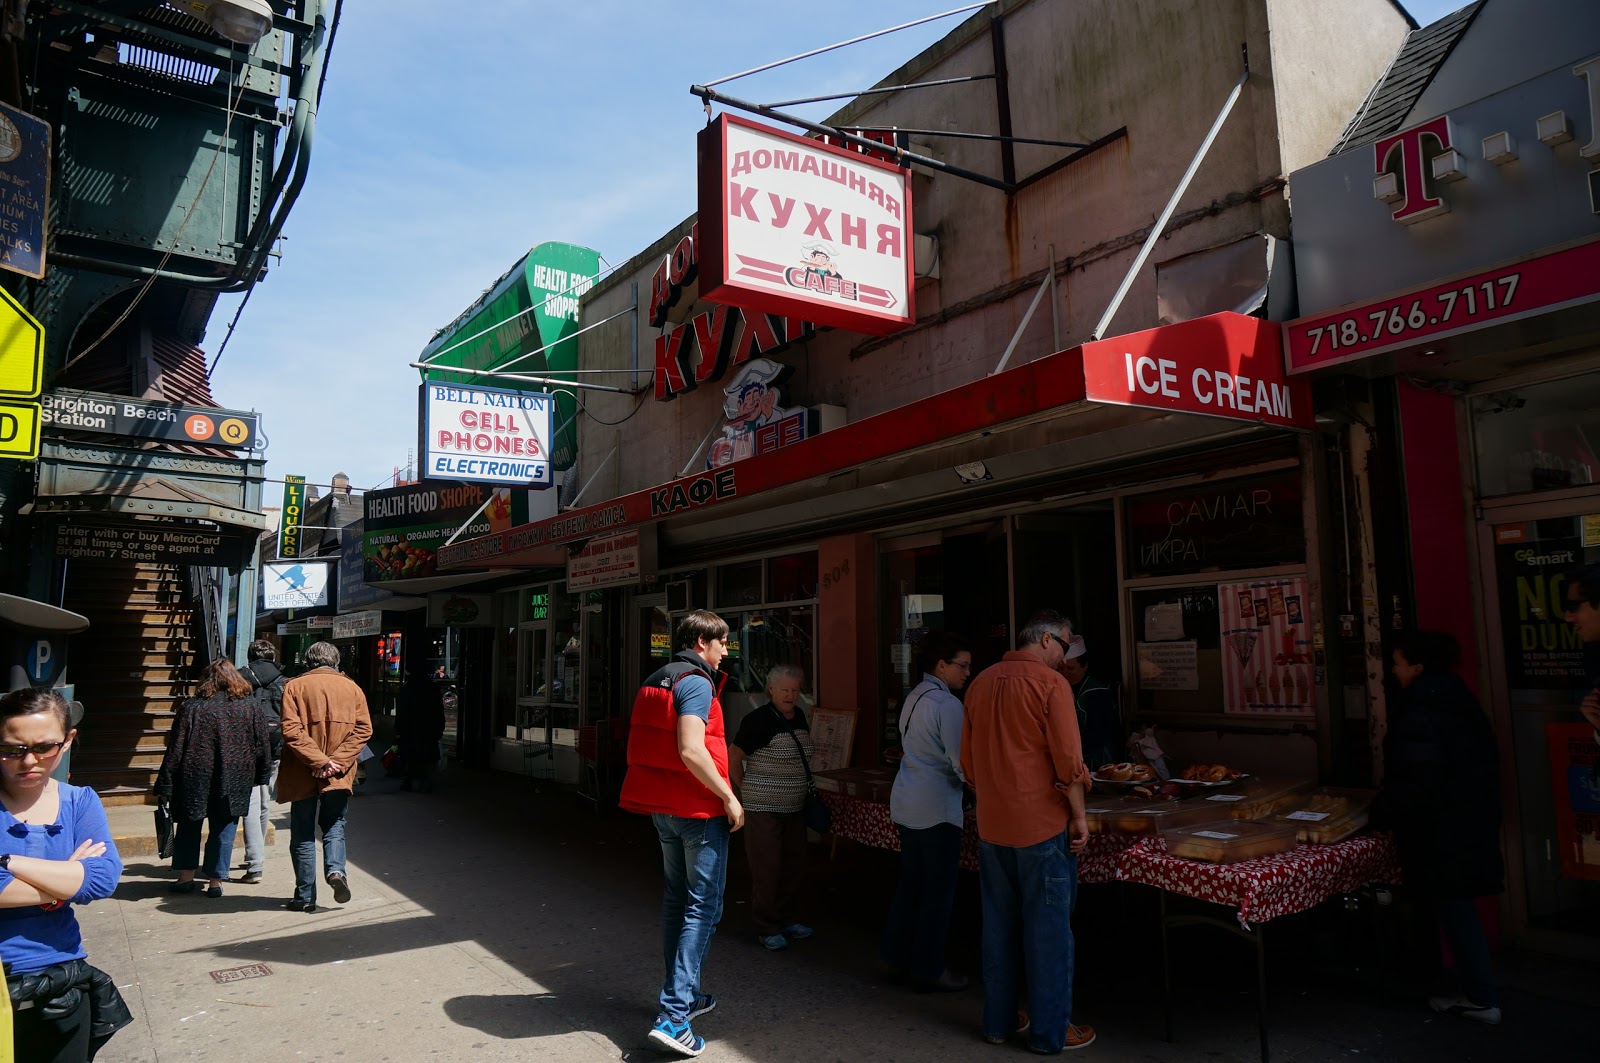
(219, 752)
(55, 851)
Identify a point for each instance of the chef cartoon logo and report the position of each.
(817, 257)
(752, 399)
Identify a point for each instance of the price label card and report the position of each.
(1217, 834)
(1226, 797)
(1308, 817)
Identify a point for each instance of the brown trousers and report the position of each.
(775, 844)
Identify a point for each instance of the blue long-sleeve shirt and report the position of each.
(34, 938)
(927, 789)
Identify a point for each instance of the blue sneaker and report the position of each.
(703, 1003)
(773, 942)
(797, 932)
(676, 1037)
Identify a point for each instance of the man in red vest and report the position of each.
(678, 775)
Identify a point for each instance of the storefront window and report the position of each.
(741, 584)
(1544, 667)
(1537, 438)
(1240, 641)
(792, 578)
(761, 639)
(566, 649)
(1251, 523)
(505, 664)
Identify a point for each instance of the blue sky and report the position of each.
(451, 138)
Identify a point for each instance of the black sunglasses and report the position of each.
(42, 750)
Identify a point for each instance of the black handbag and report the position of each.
(165, 835)
(819, 817)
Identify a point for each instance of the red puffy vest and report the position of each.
(657, 779)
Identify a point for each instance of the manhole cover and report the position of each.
(239, 974)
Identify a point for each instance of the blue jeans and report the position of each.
(325, 811)
(219, 845)
(1028, 895)
(694, 855)
(1458, 918)
(255, 823)
(919, 919)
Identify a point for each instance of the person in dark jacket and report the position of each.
(1441, 796)
(268, 680)
(219, 750)
(418, 726)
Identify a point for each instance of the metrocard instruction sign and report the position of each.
(795, 226)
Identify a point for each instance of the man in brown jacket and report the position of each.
(1023, 756)
(325, 724)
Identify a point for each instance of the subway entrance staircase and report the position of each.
(133, 668)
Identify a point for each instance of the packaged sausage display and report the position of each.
(1227, 841)
(1256, 797)
(1326, 815)
(1130, 816)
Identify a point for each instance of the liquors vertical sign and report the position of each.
(294, 505)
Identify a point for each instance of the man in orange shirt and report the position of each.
(1023, 756)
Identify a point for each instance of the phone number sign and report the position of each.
(1533, 286)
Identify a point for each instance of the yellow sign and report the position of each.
(19, 430)
(21, 351)
(1591, 530)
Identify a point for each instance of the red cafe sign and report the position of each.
(797, 226)
(704, 348)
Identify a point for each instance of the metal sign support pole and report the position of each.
(1172, 204)
(487, 499)
(1048, 284)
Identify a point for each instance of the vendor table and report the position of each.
(1256, 891)
(868, 822)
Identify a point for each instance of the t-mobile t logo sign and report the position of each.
(1401, 162)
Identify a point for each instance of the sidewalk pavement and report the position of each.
(498, 920)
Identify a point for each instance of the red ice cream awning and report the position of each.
(1226, 365)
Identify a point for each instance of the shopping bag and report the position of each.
(819, 817)
(6, 1048)
(164, 832)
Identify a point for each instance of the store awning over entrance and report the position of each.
(1224, 366)
(83, 478)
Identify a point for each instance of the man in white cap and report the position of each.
(1096, 705)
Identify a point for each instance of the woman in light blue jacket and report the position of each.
(926, 806)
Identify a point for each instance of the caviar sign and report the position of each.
(795, 226)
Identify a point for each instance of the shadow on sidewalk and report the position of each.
(507, 871)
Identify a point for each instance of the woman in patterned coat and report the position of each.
(220, 749)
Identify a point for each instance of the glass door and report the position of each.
(651, 638)
(1540, 674)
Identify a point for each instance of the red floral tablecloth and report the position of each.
(869, 823)
(1271, 886)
